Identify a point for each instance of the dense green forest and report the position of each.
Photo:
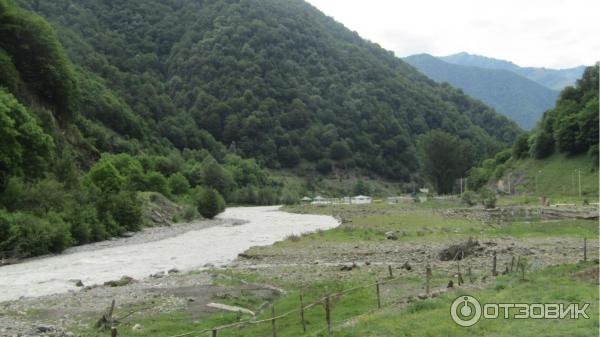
(511, 94)
(191, 99)
(571, 127)
(275, 81)
(56, 188)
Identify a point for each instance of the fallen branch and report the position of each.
(231, 308)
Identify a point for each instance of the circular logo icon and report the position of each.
(465, 310)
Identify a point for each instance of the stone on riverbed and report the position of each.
(123, 281)
(391, 235)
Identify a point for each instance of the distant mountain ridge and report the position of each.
(513, 95)
(555, 79)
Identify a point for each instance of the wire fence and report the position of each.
(452, 271)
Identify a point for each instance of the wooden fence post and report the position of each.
(494, 272)
(427, 279)
(584, 249)
(273, 328)
(105, 322)
(512, 263)
(378, 296)
(469, 274)
(111, 310)
(390, 271)
(328, 313)
(302, 313)
(460, 278)
(113, 332)
(214, 333)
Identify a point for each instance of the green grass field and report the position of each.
(356, 314)
(557, 177)
(563, 228)
(551, 285)
(413, 226)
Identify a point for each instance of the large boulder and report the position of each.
(391, 235)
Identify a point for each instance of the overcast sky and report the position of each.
(540, 33)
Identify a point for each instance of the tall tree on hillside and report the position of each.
(443, 158)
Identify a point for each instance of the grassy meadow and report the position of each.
(357, 314)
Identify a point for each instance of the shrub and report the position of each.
(478, 177)
(288, 156)
(593, 153)
(294, 238)
(130, 168)
(289, 198)
(83, 219)
(267, 196)
(520, 148)
(210, 203)
(469, 198)
(60, 233)
(215, 176)
(541, 145)
(190, 213)
(81, 232)
(127, 210)
(25, 148)
(324, 166)
(4, 226)
(156, 182)
(488, 198)
(105, 177)
(499, 171)
(339, 150)
(178, 184)
(30, 235)
(502, 157)
(13, 193)
(98, 231)
(361, 188)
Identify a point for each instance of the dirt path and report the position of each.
(238, 229)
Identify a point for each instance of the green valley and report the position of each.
(174, 168)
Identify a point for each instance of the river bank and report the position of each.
(183, 248)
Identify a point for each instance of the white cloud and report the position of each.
(541, 33)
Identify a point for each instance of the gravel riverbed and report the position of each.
(188, 247)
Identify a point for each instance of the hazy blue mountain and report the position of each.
(515, 96)
(556, 79)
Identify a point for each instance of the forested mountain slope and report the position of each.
(515, 96)
(276, 81)
(571, 128)
(57, 189)
(555, 79)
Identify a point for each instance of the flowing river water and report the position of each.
(241, 228)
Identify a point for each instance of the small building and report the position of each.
(305, 200)
(319, 200)
(361, 199)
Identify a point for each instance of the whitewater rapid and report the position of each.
(217, 245)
